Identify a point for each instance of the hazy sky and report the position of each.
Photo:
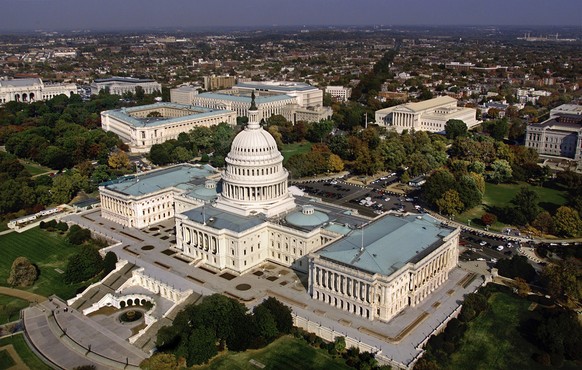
(149, 14)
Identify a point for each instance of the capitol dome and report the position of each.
(255, 180)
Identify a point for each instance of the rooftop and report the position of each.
(20, 82)
(422, 105)
(389, 243)
(184, 176)
(276, 86)
(244, 98)
(124, 80)
(124, 114)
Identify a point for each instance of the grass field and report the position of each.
(290, 150)
(500, 195)
(49, 251)
(10, 308)
(27, 356)
(492, 341)
(34, 169)
(284, 353)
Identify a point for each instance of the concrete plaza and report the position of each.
(399, 340)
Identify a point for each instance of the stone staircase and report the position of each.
(109, 285)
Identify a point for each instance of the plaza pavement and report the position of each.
(398, 340)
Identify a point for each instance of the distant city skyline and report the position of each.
(29, 15)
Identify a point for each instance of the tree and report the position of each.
(501, 171)
(118, 159)
(517, 266)
(340, 344)
(162, 361)
(455, 128)
(544, 222)
(522, 287)
(567, 222)
(109, 262)
(450, 203)
(526, 202)
(499, 129)
(159, 154)
(83, 265)
(77, 235)
(335, 163)
(564, 278)
(281, 313)
(266, 325)
(22, 273)
(488, 219)
(437, 184)
(201, 346)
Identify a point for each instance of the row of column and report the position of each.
(343, 304)
(343, 285)
(253, 193)
(116, 206)
(439, 263)
(200, 240)
(403, 119)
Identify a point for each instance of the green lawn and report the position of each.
(500, 195)
(27, 356)
(492, 340)
(290, 150)
(284, 353)
(10, 308)
(34, 169)
(49, 251)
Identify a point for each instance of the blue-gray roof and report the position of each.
(184, 176)
(280, 86)
(196, 112)
(389, 243)
(124, 80)
(244, 98)
(220, 219)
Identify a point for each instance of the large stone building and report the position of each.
(183, 94)
(429, 115)
(143, 126)
(33, 89)
(560, 135)
(306, 96)
(218, 82)
(339, 93)
(250, 218)
(269, 104)
(122, 85)
(381, 268)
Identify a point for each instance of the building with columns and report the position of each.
(122, 85)
(373, 268)
(559, 136)
(429, 115)
(145, 199)
(379, 269)
(27, 90)
(143, 126)
(306, 96)
(339, 93)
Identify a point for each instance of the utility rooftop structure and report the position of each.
(143, 126)
(429, 115)
(122, 85)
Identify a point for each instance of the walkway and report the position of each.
(68, 339)
(27, 296)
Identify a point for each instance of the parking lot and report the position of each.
(370, 200)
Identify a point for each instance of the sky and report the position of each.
(28, 15)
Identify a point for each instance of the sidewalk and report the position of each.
(27, 296)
